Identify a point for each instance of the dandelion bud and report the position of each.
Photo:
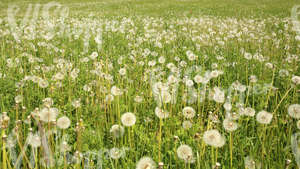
(53, 123)
(218, 165)
(288, 162)
(16, 129)
(4, 120)
(160, 165)
(4, 137)
(176, 138)
(197, 136)
(18, 122)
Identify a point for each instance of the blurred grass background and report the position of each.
(167, 8)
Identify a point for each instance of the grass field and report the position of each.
(146, 84)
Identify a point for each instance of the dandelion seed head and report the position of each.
(294, 111)
(229, 125)
(160, 113)
(264, 117)
(63, 122)
(185, 153)
(48, 114)
(188, 112)
(128, 119)
(117, 131)
(213, 138)
(146, 163)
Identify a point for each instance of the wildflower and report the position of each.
(185, 153)
(198, 79)
(229, 124)
(115, 91)
(58, 76)
(219, 95)
(172, 79)
(48, 102)
(138, 99)
(248, 56)
(18, 99)
(34, 140)
(74, 73)
(63, 122)
(191, 56)
(76, 103)
(161, 113)
(213, 138)
(146, 163)
(165, 97)
(117, 130)
(248, 111)
(128, 119)
(187, 124)
(109, 98)
(189, 83)
(253, 79)
(296, 79)
(298, 124)
(294, 111)
(64, 147)
(227, 106)
(264, 117)
(94, 55)
(250, 163)
(283, 73)
(116, 153)
(161, 60)
(48, 114)
(188, 112)
(214, 74)
(122, 71)
(43, 83)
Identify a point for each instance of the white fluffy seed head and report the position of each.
(63, 122)
(294, 111)
(229, 125)
(146, 163)
(248, 111)
(48, 114)
(264, 117)
(160, 113)
(187, 124)
(213, 138)
(185, 153)
(188, 112)
(117, 131)
(34, 140)
(116, 153)
(128, 119)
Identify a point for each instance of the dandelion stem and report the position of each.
(159, 141)
(284, 96)
(3, 151)
(231, 147)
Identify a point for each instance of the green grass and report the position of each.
(141, 32)
(177, 8)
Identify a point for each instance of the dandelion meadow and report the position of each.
(148, 84)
